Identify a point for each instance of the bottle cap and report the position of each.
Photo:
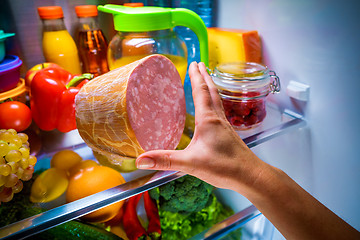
(134, 4)
(50, 12)
(86, 11)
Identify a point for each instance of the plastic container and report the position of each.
(243, 88)
(142, 31)
(204, 9)
(58, 45)
(17, 94)
(9, 72)
(3, 37)
(91, 42)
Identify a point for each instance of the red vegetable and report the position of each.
(15, 115)
(132, 226)
(52, 98)
(154, 227)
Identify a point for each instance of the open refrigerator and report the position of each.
(252, 223)
(303, 41)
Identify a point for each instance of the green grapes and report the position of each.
(16, 163)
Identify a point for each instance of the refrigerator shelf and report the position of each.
(277, 122)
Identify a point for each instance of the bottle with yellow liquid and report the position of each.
(58, 45)
(142, 31)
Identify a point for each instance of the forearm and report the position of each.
(293, 211)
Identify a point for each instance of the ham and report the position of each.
(132, 109)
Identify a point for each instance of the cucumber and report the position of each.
(75, 230)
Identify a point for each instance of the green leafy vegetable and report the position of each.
(183, 226)
(186, 194)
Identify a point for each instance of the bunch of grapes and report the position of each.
(16, 163)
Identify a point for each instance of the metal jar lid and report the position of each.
(245, 76)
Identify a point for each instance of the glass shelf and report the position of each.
(277, 122)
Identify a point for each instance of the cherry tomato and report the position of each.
(15, 115)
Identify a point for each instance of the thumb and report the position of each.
(174, 160)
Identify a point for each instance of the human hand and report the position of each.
(216, 154)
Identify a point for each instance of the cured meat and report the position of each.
(132, 109)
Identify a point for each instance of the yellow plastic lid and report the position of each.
(15, 92)
(50, 12)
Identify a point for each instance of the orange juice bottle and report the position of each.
(91, 42)
(58, 45)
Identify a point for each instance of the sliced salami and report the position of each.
(132, 109)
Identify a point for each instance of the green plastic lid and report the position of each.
(144, 19)
(3, 35)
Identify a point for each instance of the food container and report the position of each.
(3, 37)
(17, 94)
(9, 72)
(243, 88)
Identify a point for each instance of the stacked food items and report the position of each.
(120, 114)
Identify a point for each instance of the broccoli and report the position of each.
(179, 226)
(185, 195)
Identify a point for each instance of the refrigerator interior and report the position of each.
(312, 42)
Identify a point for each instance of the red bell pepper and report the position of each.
(52, 98)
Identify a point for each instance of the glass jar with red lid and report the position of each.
(243, 88)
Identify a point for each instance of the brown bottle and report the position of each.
(91, 42)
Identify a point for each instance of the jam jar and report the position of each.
(243, 88)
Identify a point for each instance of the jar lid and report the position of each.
(86, 11)
(18, 90)
(50, 12)
(241, 71)
(10, 62)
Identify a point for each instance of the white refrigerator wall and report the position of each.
(316, 42)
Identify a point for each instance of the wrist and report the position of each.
(259, 181)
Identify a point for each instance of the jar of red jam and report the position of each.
(243, 88)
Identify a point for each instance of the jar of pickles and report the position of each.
(243, 88)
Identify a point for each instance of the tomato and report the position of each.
(15, 115)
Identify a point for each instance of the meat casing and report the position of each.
(132, 109)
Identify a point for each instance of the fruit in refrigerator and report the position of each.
(49, 185)
(92, 180)
(15, 115)
(16, 164)
(65, 159)
(81, 166)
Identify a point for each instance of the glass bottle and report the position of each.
(243, 88)
(58, 45)
(91, 42)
